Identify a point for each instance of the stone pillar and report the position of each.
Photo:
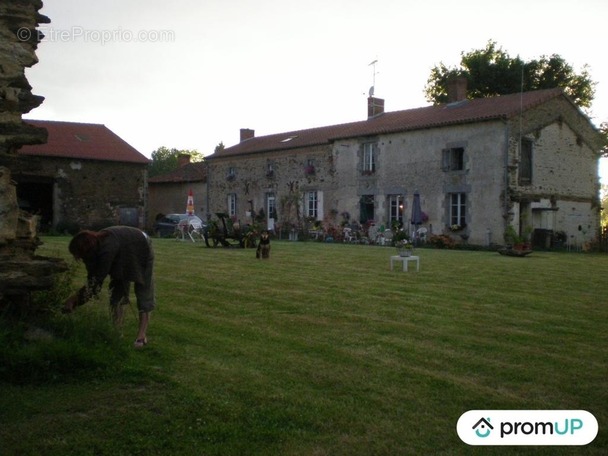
(20, 270)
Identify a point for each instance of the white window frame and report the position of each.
(369, 158)
(231, 204)
(313, 204)
(271, 210)
(395, 207)
(458, 209)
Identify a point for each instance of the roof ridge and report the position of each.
(64, 122)
(553, 91)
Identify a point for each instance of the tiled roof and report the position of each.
(83, 141)
(191, 172)
(467, 111)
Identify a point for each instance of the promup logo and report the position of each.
(483, 427)
(527, 427)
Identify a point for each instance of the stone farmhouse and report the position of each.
(528, 160)
(83, 177)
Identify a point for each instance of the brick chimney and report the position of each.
(246, 133)
(375, 107)
(183, 159)
(457, 89)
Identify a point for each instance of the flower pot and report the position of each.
(405, 252)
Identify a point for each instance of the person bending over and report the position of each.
(126, 255)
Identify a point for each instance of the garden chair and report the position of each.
(387, 238)
(348, 235)
(421, 234)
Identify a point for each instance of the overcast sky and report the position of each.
(190, 73)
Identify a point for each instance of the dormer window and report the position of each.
(289, 138)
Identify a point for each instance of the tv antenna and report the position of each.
(372, 88)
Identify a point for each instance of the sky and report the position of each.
(189, 74)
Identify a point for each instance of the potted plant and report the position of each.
(515, 241)
(404, 247)
(457, 228)
(515, 244)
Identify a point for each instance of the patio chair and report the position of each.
(387, 238)
(348, 235)
(421, 234)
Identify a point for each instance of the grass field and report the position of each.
(321, 350)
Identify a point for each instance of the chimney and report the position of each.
(375, 107)
(457, 89)
(183, 159)
(246, 133)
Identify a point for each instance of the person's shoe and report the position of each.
(139, 343)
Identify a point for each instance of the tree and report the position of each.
(604, 133)
(491, 71)
(604, 201)
(165, 160)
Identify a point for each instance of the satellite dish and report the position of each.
(371, 91)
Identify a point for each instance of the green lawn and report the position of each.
(322, 350)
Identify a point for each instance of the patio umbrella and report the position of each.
(190, 204)
(416, 211)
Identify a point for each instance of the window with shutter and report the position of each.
(525, 162)
(452, 159)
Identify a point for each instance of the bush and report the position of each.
(58, 349)
(442, 241)
(51, 301)
(38, 344)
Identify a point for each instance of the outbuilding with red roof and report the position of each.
(84, 176)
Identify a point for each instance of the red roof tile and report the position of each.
(191, 172)
(83, 141)
(467, 111)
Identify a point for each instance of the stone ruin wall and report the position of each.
(21, 271)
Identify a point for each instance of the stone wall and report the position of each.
(21, 271)
(564, 173)
(252, 182)
(19, 39)
(171, 198)
(77, 202)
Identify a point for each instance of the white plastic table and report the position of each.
(405, 260)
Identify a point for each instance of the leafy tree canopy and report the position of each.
(604, 132)
(165, 160)
(491, 71)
